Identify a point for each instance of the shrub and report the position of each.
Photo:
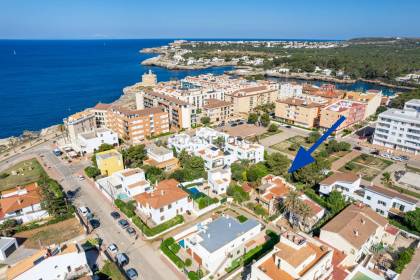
(273, 128)
(242, 218)
(126, 208)
(92, 171)
(165, 248)
(188, 262)
(350, 166)
(4, 175)
(175, 247)
(159, 228)
(403, 259)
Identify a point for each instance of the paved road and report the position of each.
(144, 256)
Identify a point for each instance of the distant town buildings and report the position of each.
(400, 129)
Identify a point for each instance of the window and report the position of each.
(169, 206)
(161, 209)
(162, 218)
(368, 198)
(380, 202)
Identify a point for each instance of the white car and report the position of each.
(112, 248)
(84, 211)
(81, 177)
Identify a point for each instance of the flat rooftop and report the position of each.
(405, 115)
(224, 230)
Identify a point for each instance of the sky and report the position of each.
(298, 19)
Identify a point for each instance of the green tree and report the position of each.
(277, 164)
(336, 202)
(312, 137)
(256, 172)
(386, 178)
(104, 147)
(134, 156)
(238, 194)
(92, 171)
(403, 259)
(252, 118)
(238, 170)
(219, 141)
(7, 228)
(273, 128)
(265, 119)
(412, 219)
(205, 120)
(153, 174)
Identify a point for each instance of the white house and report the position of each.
(124, 184)
(7, 246)
(385, 201)
(295, 257)
(161, 157)
(242, 149)
(63, 262)
(185, 142)
(88, 142)
(316, 213)
(353, 231)
(165, 201)
(220, 241)
(214, 157)
(219, 180)
(22, 204)
(208, 135)
(347, 183)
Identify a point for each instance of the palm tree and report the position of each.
(304, 213)
(292, 202)
(386, 178)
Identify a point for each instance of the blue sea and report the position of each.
(43, 81)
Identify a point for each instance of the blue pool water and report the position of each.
(194, 191)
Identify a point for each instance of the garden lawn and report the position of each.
(300, 140)
(367, 165)
(28, 171)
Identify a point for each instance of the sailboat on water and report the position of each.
(14, 52)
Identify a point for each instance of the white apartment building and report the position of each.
(80, 122)
(400, 129)
(295, 257)
(88, 142)
(124, 184)
(220, 241)
(385, 201)
(62, 262)
(290, 90)
(214, 157)
(347, 183)
(219, 180)
(22, 204)
(164, 201)
(242, 149)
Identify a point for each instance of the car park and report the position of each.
(84, 211)
(131, 273)
(121, 259)
(112, 248)
(115, 215)
(94, 223)
(123, 223)
(131, 231)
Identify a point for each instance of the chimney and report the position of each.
(362, 221)
(356, 232)
(162, 192)
(19, 201)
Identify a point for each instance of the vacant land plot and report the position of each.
(285, 145)
(268, 134)
(23, 173)
(51, 234)
(244, 130)
(366, 165)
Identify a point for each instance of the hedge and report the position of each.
(192, 275)
(164, 246)
(242, 218)
(126, 208)
(159, 228)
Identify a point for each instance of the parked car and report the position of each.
(84, 211)
(70, 194)
(94, 223)
(115, 215)
(112, 248)
(131, 231)
(375, 152)
(358, 148)
(122, 259)
(405, 158)
(81, 177)
(288, 126)
(123, 223)
(131, 273)
(234, 124)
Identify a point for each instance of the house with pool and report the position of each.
(124, 184)
(214, 244)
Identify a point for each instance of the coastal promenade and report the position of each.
(144, 256)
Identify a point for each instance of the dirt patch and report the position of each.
(244, 130)
(51, 234)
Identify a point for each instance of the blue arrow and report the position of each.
(303, 157)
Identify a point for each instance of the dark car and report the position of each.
(131, 273)
(94, 223)
(375, 152)
(70, 194)
(234, 124)
(358, 148)
(115, 215)
(131, 231)
(123, 223)
(122, 259)
(288, 126)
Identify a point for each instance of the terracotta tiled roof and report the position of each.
(16, 202)
(343, 177)
(215, 103)
(315, 208)
(300, 102)
(166, 192)
(356, 224)
(102, 106)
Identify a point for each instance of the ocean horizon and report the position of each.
(44, 81)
